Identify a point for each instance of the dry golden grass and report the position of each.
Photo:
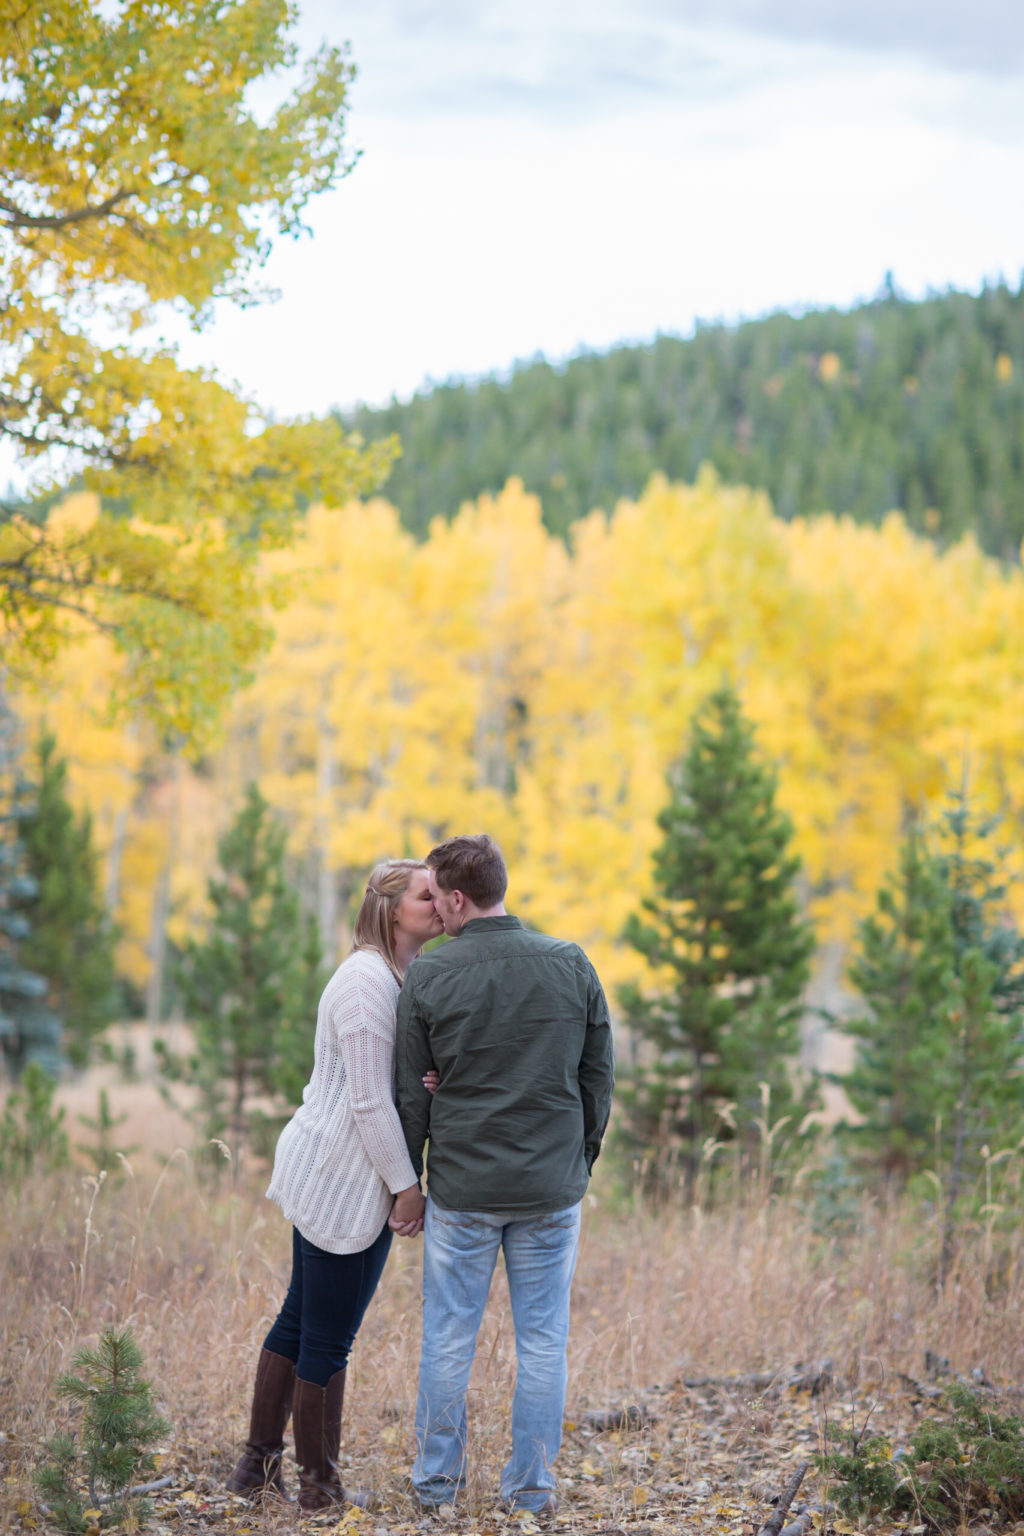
(661, 1300)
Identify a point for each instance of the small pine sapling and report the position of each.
(119, 1425)
(103, 1151)
(32, 1133)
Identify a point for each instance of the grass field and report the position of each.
(714, 1324)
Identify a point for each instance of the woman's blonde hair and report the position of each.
(375, 926)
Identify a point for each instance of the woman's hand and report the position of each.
(407, 1212)
(432, 1080)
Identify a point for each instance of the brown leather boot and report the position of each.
(316, 1420)
(259, 1467)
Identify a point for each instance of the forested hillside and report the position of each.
(917, 406)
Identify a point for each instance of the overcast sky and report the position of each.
(545, 175)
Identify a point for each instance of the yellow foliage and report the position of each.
(491, 678)
(179, 208)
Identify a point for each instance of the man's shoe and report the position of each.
(547, 1506)
(425, 1502)
(431, 1506)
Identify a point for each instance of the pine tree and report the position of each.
(987, 1012)
(937, 1072)
(71, 943)
(102, 1150)
(245, 985)
(29, 1030)
(119, 1425)
(293, 1041)
(728, 945)
(975, 869)
(32, 1134)
(904, 968)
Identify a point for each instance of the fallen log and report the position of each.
(137, 1490)
(773, 1525)
(801, 1526)
(813, 1377)
(629, 1416)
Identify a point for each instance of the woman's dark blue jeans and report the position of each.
(327, 1297)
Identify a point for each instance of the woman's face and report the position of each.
(416, 917)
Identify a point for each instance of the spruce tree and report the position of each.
(71, 943)
(725, 931)
(987, 1011)
(975, 865)
(29, 1030)
(244, 985)
(904, 968)
(937, 1072)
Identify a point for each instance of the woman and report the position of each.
(341, 1169)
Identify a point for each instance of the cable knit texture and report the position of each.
(342, 1155)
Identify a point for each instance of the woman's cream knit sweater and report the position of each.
(342, 1156)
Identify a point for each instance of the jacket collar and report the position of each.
(489, 924)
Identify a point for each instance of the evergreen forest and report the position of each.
(719, 637)
(894, 405)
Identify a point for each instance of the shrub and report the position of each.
(953, 1469)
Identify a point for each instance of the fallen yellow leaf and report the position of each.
(640, 1496)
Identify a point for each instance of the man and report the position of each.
(517, 1026)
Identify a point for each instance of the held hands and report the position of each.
(407, 1212)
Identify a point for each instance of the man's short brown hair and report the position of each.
(472, 865)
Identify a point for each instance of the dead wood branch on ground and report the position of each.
(773, 1525)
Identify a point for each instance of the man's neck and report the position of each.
(470, 911)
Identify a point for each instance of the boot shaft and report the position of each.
(316, 1421)
(259, 1467)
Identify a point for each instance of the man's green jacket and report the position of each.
(517, 1026)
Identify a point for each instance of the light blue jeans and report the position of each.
(459, 1254)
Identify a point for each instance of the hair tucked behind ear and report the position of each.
(375, 926)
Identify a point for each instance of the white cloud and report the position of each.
(539, 177)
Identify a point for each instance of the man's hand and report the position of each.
(407, 1212)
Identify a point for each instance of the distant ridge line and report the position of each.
(896, 403)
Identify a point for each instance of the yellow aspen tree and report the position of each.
(904, 656)
(489, 587)
(134, 175)
(491, 678)
(667, 595)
